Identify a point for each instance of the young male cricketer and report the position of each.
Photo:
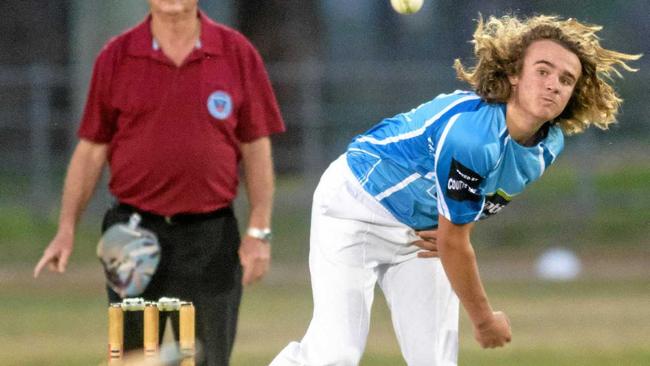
(398, 207)
(174, 105)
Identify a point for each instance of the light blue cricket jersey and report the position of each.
(451, 156)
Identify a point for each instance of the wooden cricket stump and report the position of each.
(151, 342)
(187, 333)
(150, 334)
(115, 332)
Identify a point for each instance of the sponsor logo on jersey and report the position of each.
(495, 203)
(463, 183)
(220, 104)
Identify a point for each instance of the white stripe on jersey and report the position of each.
(365, 179)
(365, 152)
(431, 176)
(419, 131)
(480, 212)
(410, 179)
(553, 156)
(503, 132)
(442, 205)
(542, 164)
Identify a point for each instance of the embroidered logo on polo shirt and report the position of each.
(220, 104)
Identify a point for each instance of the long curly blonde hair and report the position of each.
(500, 45)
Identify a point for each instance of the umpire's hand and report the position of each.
(57, 253)
(255, 258)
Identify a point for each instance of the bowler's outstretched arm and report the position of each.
(491, 329)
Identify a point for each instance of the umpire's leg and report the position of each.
(216, 322)
(205, 269)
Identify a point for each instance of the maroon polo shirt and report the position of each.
(174, 132)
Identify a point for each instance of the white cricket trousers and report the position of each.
(356, 243)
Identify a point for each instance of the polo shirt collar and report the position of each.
(143, 44)
(211, 39)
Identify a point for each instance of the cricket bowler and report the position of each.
(398, 207)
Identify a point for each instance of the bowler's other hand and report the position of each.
(494, 333)
(428, 243)
(56, 254)
(255, 258)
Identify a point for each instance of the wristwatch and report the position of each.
(261, 234)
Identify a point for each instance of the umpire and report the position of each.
(174, 104)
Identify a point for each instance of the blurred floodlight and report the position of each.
(558, 264)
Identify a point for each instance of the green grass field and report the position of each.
(603, 318)
(62, 321)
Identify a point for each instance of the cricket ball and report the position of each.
(406, 6)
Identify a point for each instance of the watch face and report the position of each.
(261, 234)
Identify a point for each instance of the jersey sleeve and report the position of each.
(464, 157)
(98, 122)
(259, 114)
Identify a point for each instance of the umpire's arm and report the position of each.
(255, 254)
(84, 172)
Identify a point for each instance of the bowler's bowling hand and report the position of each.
(56, 254)
(495, 332)
(255, 258)
(428, 243)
